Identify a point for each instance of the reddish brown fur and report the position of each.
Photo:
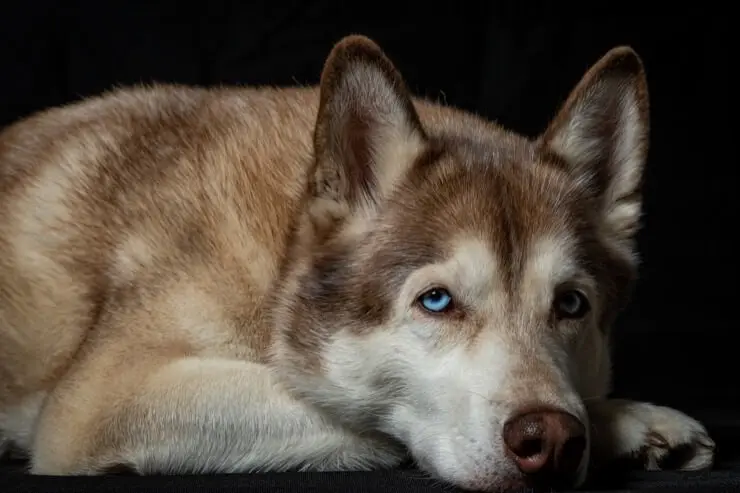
(258, 225)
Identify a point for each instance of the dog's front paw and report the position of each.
(660, 437)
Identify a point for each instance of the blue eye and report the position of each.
(436, 300)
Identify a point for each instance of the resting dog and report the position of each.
(333, 278)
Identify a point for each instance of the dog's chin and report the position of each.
(479, 470)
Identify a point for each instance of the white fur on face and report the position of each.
(448, 397)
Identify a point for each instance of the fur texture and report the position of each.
(221, 280)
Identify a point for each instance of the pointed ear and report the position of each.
(367, 130)
(601, 134)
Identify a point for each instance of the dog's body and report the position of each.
(209, 280)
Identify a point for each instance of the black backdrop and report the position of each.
(673, 344)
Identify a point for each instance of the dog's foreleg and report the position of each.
(196, 415)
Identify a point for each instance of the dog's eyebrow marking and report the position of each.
(475, 266)
(551, 261)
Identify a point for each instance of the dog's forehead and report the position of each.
(501, 193)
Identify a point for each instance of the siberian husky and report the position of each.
(200, 280)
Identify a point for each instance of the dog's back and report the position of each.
(152, 185)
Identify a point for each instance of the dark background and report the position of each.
(513, 65)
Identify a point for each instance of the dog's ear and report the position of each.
(601, 134)
(367, 130)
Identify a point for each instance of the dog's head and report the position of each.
(456, 282)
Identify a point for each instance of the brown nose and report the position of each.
(546, 443)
